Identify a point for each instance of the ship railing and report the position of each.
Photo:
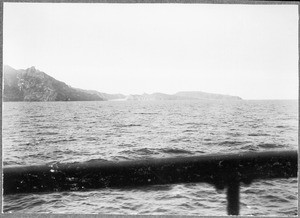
(224, 171)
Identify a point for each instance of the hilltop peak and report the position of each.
(32, 69)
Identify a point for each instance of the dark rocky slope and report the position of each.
(34, 85)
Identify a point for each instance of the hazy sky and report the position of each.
(245, 50)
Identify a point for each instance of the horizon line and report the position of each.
(143, 92)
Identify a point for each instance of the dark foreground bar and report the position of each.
(222, 171)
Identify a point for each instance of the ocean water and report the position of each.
(37, 133)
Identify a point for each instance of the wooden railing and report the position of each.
(223, 171)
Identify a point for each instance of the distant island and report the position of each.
(34, 85)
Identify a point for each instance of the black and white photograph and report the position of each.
(150, 108)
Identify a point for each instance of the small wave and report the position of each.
(91, 138)
(146, 113)
(47, 133)
(231, 143)
(176, 151)
(160, 210)
(48, 127)
(96, 160)
(129, 125)
(36, 116)
(254, 126)
(26, 130)
(121, 157)
(234, 134)
(191, 124)
(254, 191)
(258, 134)
(189, 130)
(125, 145)
(185, 205)
(280, 126)
(274, 198)
(145, 151)
(61, 140)
(27, 144)
(141, 151)
(250, 148)
(270, 145)
(184, 139)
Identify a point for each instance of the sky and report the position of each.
(246, 50)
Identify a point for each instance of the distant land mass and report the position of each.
(34, 85)
(205, 95)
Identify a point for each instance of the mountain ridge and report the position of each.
(32, 84)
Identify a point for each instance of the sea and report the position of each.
(45, 133)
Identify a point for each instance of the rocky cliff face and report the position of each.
(34, 85)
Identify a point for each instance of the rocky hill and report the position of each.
(34, 85)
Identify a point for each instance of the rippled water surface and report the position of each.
(65, 132)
